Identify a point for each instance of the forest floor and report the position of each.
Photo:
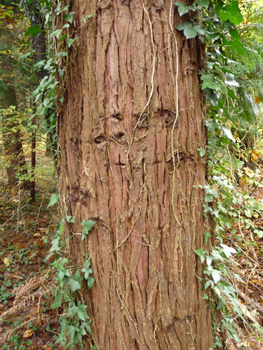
(27, 277)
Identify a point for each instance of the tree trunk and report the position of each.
(129, 129)
(15, 160)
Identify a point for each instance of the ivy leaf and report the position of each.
(184, 25)
(91, 282)
(199, 29)
(200, 252)
(207, 235)
(228, 133)
(77, 276)
(207, 284)
(72, 330)
(57, 33)
(69, 17)
(216, 276)
(231, 80)
(55, 245)
(182, 9)
(212, 36)
(211, 97)
(87, 326)
(71, 41)
(231, 93)
(202, 3)
(58, 301)
(86, 269)
(201, 152)
(74, 285)
(230, 12)
(33, 30)
(87, 226)
(234, 34)
(217, 342)
(190, 33)
(53, 200)
(87, 16)
(228, 250)
(81, 312)
(208, 81)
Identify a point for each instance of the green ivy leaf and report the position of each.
(53, 200)
(87, 16)
(199, 29)
(202, 3)
(58, 301)
(74, 285)
(228, 251)
(234, 34)
(208, 81)
(211, 97)
(33, 30)
(91, 282)
(190, 33)
(212, 36)
(190, 30)
(81, 312)
(57, 33)
(71, 331)
(207, 236)
(87, 226)
(182, 9)
(228, 133)
(207, 284)
(201, 151)
(216, 276)
(69, 17)
(184, 25)
(71, 41)
(86, 269)
(201, 253)
(230, 12)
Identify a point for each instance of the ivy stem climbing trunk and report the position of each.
(129, 129)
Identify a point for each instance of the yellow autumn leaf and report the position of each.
(6, 261)
(28, 333)
(37, 234)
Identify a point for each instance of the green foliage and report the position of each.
(87, 226)
(75, 323)
(53, 199)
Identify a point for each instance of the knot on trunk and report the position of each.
(103, 4)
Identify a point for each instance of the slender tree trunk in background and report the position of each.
(10, 127)
(12, 141)
(39, 46)
(129, 129)
(33, 163)
(40, 52)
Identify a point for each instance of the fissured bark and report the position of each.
(129, 129)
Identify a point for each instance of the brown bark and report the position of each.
(33, 163)
(15, 160)
(12, 140)
(129, 129)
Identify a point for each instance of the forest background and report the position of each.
(37, 293)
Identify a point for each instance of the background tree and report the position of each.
(129, 131)
(11, 132)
